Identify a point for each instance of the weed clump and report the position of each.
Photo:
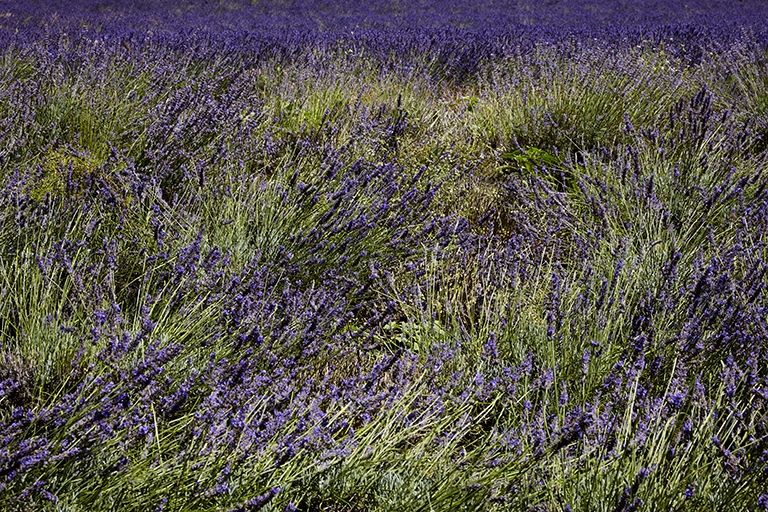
(17, 380)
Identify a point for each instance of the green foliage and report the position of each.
(59, 166)
(69, 172)
(533, 161)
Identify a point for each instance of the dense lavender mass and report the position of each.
(346, 15)
(433, 256)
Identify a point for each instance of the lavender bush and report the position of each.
(296, 256)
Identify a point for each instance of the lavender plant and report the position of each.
(393, 260)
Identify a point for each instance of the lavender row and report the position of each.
(351, 16)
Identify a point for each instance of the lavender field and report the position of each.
(388, 256)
